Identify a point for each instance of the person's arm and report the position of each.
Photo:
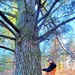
(50, 68)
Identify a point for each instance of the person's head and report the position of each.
(50, 60)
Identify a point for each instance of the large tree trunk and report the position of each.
(27, 59)
(28, 56)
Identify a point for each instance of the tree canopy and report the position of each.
(35, 20)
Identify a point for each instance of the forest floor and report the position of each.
(62, 72)
(58, 72)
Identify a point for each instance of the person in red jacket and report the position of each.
(51, 68)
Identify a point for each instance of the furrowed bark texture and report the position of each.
(28, 56)
(27, 59)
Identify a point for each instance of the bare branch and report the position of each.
(42, 23)
(43, 17)
(9, 22)
(9, 14)
(69, 14)
(11, 38)
(9, 5)
(48, 33)
(62, 46)
(37, 14)
(7, 49)
(67, 51)
(42, 5)
(6, 26)
(57, 7)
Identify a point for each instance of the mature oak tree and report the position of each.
(30, 22)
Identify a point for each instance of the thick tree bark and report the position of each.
(27, 59)
(28, 56)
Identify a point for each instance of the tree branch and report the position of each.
(9, 14)
(57, 7)
(9, 22)
(37, 14)
(54, 3)
(11, 38)
(48, 33)
(6, 26)
(42, 23)
(9, 5)
(7, 49)
(62, 46)
(69, 52)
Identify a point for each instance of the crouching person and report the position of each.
(51, 69)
